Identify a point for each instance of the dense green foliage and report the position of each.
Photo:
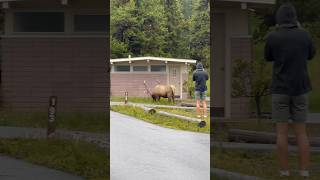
(165, 28)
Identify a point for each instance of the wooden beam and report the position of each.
(239, 135)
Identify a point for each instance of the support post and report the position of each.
(126, 97)
(52, 110)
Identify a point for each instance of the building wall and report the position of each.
(185, 78)
(134, 83)
(241, 49)
(235, 34)
(74, 69)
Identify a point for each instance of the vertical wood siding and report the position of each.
(74, 69)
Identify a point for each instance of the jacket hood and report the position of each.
(286, 15)
(199, 66)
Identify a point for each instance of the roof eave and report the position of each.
(270, 2)
(191, 61)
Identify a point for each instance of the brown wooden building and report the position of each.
(231, 39)
(130, 74)
(54, 48)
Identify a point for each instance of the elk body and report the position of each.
(165, 91)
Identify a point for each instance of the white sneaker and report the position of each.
(284, 174)
(205, 116)
(198, 116)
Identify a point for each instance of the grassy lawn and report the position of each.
(185, 112)
(258, 164)
(90, 122)
(78, 158)
(160, 120)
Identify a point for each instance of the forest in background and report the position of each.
(161, 28)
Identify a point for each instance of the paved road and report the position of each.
(144, 151)
(13, 169)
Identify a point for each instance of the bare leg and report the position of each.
(198, 108)
(303, 145)
(204, 108)
(282, 145)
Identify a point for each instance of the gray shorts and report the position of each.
(287, 108)
(200, 95)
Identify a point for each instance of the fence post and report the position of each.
(126, 97)
(52, 116)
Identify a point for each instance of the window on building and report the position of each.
(39, 22)
(158, 68)
(140, 68)
(122, 68)
(90, 23)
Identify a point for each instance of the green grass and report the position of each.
(145, 100)
(160, 120)
(90, 122)
(78, 158)
(185, 112)
(260, 164)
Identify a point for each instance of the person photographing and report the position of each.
(289, 48)
(200, 77)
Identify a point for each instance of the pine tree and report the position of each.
(200, 32)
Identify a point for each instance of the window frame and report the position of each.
(86, 14)
(137, 65)
(166, 68)
(14, 12)
(116, 71)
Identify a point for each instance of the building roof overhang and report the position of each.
(271, 2)
(187, 61)
(244, 4)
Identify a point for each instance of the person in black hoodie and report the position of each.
(289, 48)
(200, 77)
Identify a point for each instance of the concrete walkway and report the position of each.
(13, 169)
(144, 151)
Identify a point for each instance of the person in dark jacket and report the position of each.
(289, 48)
(200, 76)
